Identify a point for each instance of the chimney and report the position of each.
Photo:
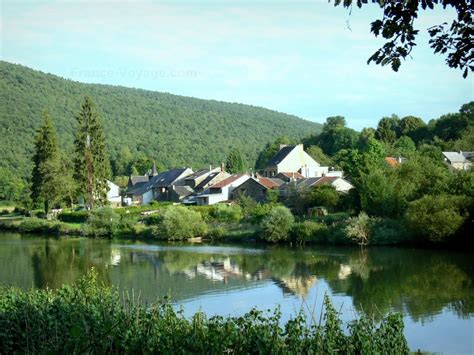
(210, 168)
(283, 146)
(222, 167)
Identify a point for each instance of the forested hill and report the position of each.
(174, 130)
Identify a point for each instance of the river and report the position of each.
(433, 289)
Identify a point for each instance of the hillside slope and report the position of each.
(174, 130)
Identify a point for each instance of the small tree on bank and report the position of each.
(91, 164)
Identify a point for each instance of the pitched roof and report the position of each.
(166, 178)
(280, 155)
(391, 161)
(270, 183)
(183, 191)
(291, 175)
(325, 180)
(207, 180)
(197, 174)
(140, 178)
(139, 188)
(227, 181)
(455, 157)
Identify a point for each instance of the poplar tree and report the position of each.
(235, 162)
(91, 164)
(46, 175)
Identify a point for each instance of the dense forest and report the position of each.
(173, 130)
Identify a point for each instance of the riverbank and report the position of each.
(86, 317)
(267, 223)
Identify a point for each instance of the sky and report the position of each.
(306, 58)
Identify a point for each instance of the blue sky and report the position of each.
(305, 58)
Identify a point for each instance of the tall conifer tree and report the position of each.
(91, 164)
(235, 162)
(46, 185)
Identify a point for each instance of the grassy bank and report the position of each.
(88, 318)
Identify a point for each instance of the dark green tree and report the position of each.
(92, 166)
(336, 136)
(46, 184)
(235, 162)
(387, 129)
(397, 28)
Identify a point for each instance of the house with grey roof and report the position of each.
(338, 183)
(458, 160)
(158, 187)
(293, 159)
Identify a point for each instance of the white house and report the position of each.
(458, 160)
(340, 184)
(221, 191)
(293, 159)
(113, 195)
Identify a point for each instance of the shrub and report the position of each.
(102, 222)
(181, 223)
(389, 231)
(73, 216)
(226, 213)
(4, 212)
(216, 232)
(34, 225)
(308, 231)
(437, 218)
(85, 317)
(277, 225)
(360, 228)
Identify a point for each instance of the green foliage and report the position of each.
(308, 231)
(181, 223)
(388, 231)
(317, 154)
(277, 225)
(86, 317)
(388, 129)
(42, 226)
(102, 222)
(173, 130)
(235, 162)
(12, 188)
(73, 216)
(225, 213)
(91, 162)
(437, 218)
(404, 146)
(47, 188)
(324, 195)
(397, 27)
(336, 136)
(359, 228)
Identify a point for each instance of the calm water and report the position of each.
(433, 289)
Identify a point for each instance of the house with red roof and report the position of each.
(257, 188)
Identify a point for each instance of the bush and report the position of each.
(388, 231)
(216, 232)
(277, 225)
(180, 223)
(85, 317)
(437, 218)
(73, 216)
(34, 225)
(226, 213)
(102, 222)
(308, 231)
(360, 228)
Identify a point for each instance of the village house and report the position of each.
(257, 188)
(113, 194)
(221, 191)
(458, 160)
(159, 186)
(340, 184)
(293, 158)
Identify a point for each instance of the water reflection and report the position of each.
(416, 282)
